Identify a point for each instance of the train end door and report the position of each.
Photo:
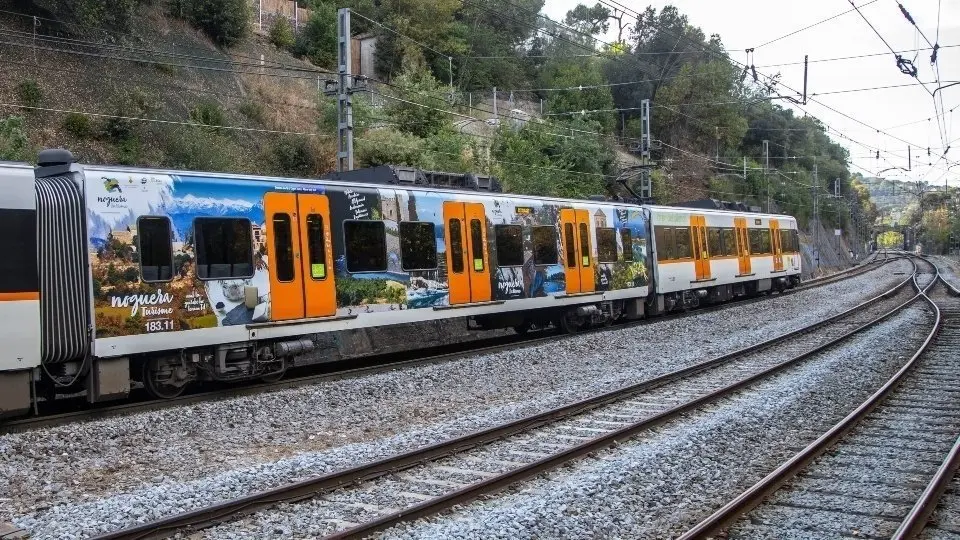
(743, 246)
(701, 255)
(577, 252)
(300, 255)
(776, 246)
(468, 263)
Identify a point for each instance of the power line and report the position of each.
(812, 25)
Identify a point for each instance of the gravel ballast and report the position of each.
(100, 475)
(660, 485)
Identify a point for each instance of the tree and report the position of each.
(418, 86)
(318, 38)
(226, 21)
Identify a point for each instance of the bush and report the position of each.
(225, 21)
(30, 93)
(14, 145)
(297, 155)
(281, 33)
(252, 110)
(208, 113)
(78, 125)
(198, 149)
(318, 38)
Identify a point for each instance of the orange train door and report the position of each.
(577, 250)
(775, 245)
(701, 256)
(743, 245)
(300, 256)
(468, 268)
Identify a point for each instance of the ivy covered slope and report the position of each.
(181, 83)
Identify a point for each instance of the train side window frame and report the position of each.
(766, 241)
(606, 244)
(169, 246)
(347, 236)
(202, 258)
(754, 237)
(680, 233)
(586, 255)
(569, 246)
(476, 244)
(509, 237)
(410, 248)
(665, 243)
(544, 248)
(714, 242)
(626, 238)
(728, 239)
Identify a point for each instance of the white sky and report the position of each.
(750, 23)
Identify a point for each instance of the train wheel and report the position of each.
(275, 376)
(569, 322)
(165, 378)
(522, 328)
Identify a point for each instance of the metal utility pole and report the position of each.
(344, 93)
(766, 167)
(646, 184)
(495, 116)
(816, 213)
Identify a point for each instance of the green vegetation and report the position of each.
(317, 40)
(281, 33)
(29, 93)
(226, 21)
(14, 145)
(78, 125)
(208, 113)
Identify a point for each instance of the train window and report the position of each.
(796, 240)
(476, 244)
(785, 240)
(509, 245)
(544, 245)
(282, 247)
(224, 248)
(754, 241)
(18, 266)
(154, 236)
(569, 246)
(728, 241)
(683, 243)
(626, 238)
(714, 242)
(664, 237)
(418, 245)
(606, 244)
(316, 247)
(366, 245)
(765, 241)
(584, 245)
(456, 246)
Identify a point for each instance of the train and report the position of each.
(114, 277)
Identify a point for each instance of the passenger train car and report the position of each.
(112, 275)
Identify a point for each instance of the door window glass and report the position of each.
(282, 247)
(476, 244)
(569, 245)
(584, 245)
(316, 247)
(456, 246)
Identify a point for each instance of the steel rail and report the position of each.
(312, 487)
(916, 520)
(755, 495)
(511, 342)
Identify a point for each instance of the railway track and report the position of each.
(380, 363)
(370, 497)
(879, 472)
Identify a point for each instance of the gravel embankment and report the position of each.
(660, 485)
(945, 522)
(104, 474)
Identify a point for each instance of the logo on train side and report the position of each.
(112, 185)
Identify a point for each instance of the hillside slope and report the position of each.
(166, 71)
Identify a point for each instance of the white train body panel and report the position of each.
(19, 293)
